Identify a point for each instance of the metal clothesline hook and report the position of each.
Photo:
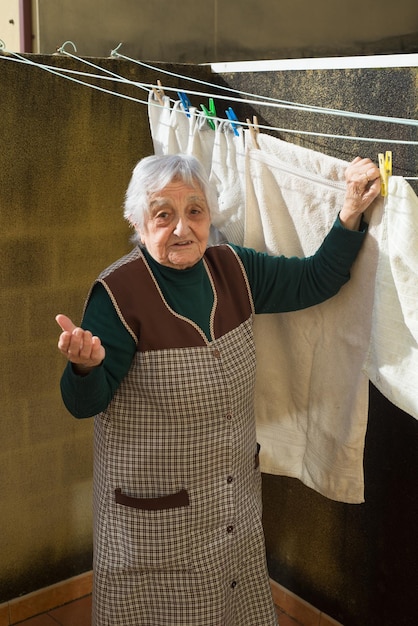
(115, 51)
(2, 45)
(61, 49)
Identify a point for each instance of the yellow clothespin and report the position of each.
(385, 167)
(158, 93)
(254, 130)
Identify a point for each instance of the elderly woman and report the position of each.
(165, 361)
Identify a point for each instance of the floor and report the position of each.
(77, 613)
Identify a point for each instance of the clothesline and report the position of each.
(266, 100)
(272, 102)
(261, 100)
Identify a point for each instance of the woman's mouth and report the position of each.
(183, 243)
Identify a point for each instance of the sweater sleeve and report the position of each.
(85, 396)
(280, 284)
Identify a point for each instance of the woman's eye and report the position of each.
(196, 210)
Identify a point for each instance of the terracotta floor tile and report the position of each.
(78, 613)
(39, 620)
(75, 613)
(285, 620)
(4, 614)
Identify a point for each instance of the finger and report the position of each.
(65, 323)
(98, 351)
(64, 342)
(374, 175)
(363, 173)
(375, 187)
(85, 344)
(76, 343)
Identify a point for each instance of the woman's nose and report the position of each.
(182, 227)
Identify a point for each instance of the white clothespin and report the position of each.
(385, 167)
(158, 93)
(254, 130)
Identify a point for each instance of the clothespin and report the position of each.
(159, 93)
(209, 113)
(254, 130)
(186, 104)
(230, 113)
(385, 167)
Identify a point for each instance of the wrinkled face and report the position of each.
(176, 229)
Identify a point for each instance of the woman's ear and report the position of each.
(139, 234)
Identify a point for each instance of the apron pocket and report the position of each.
(173, 501)
(152, 533)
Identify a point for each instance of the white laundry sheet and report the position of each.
(311, 391)
(392, 360)
(314, 365)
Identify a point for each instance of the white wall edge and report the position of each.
(334, 63)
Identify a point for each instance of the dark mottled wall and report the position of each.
(357, 563)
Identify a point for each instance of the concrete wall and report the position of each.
(198, 31)
(67, 154)
(66, 158)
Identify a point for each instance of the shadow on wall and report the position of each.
(358, 563)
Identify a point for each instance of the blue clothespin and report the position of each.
(230, 113)
(186, 104)
(209, 113)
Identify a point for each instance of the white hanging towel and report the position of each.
(392, 361)
(311, 393)
(201, 140)
(228, 176)
(162, 126)
(175, 132)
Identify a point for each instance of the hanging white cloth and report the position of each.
(392, 361)
(314, 365)
(311, 393)
(228, 176)
(201, 140)
(160, 118)
(175, 132)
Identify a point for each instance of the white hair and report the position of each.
(153, 173)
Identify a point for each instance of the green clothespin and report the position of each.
(211, 112)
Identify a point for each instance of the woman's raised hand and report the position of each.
(362, 177)
(79, 346)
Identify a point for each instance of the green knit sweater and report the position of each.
(278, 284)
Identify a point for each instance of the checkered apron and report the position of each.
(177, 488)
